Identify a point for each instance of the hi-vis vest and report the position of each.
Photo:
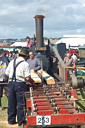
(2, 69)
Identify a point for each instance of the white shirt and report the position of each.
(22, 70)
(74, 58)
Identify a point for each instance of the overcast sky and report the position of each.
(62, 17)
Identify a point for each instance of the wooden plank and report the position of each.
(82, 68)
(49, 79)
(35, 77)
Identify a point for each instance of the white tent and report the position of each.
(22, 44)
(72, 40)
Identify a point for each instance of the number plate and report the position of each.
(43, 120)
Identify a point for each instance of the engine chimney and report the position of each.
(39, 30)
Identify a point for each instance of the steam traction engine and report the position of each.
(53, 105)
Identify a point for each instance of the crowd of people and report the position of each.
(15, 70)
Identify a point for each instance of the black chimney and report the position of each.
(39, 30)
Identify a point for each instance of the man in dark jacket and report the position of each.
(3, 65)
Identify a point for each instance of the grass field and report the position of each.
(81, 102)
(81, 95)
(3, 115)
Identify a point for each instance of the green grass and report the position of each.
(3, 114)
(81, 76)
(4, 101)
(81, 95)
(81, 103)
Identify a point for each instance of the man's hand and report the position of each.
(32, 70)
(29, 79)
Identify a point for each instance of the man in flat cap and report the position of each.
(19, 72)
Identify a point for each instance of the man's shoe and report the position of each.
(21, 126)
(12, 123)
